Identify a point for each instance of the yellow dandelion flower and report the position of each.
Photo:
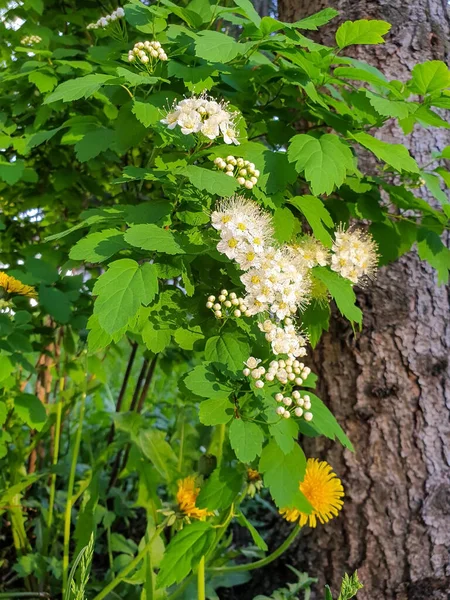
(323, 489)
(11, 285)
(186, 498)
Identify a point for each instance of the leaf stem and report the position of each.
(264, 561)
(201, 594)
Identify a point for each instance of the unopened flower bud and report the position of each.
(259, 384)
(287, 414)
(308, 416)
(246, 371)
(298, 412)
(209, 305)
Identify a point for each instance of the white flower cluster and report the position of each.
(276, 279)
(245, 171)
(284, 340)
(295, 404)
(105, 21)
(313, 252)
(227, 304)
(202, 114)
(285, 371)
(354, 255)
(29, 40)
(146, 52)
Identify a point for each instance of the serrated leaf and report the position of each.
(146, 113)
(74, 89)
(98, 246)
(325, 423)
(317, 216)
(431, 249)
(202, 381)
(249, 11)
(342, 292)
(6, 367)
(395, 155)
(155, 447)
(216, 411)
(55, 302)
(155, 339)
(153, 238)
(429, 77)
(43, 81)
(246, 439)
(285, 433)
(361, 32)
(184, 553)
(211, 181)
(30, 410)
(221, 489)
(229, 351)
(136, 78)
(313, 22)
(325, 160)
(214, 46)
(11, 173)
(283, 474)
(186, 338)
(388, 108)
(94, 143)
(121, 290)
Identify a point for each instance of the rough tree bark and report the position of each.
(390, 385)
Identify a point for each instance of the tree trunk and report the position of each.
(389, 386)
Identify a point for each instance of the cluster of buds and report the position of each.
(245, 172)
(226, 305)
(254, 482)
(147, 52)
(294, 404)
(289, 370)
(108, 20)
(29, 40)
(284, 340)
(252, 370)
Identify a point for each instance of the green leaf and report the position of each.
(43, 81)
(98, 246)
(389, 108)
(153, 238)
(184, 553)
(342, 292)
(6, 367)
(284, 224)
(246, 439)
(203, 382)
(229, 352)
(153, 444)
(316, 319)
(325, 423)
(41, 271)
(155, 339)
(146, 113)
(55, 302)
(285, 433)
(94, 143)
(30, 410)
(283, 474)
(395, 155)
(221, 489)
(121, 290)
(325, 161)
(317, 216)
(214, 46)
(350, 586)
(216, 411)
(259, 542)
(136, 79)
(429, 77)
(186, 338)
(431, 249)
(249, 11)
(11, 173)
(433, 184)
(81, 87)
(362, 75)
(211, 181)
(313, 22)
(361, 32)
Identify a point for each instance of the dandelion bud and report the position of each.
(246, 372)
(237, 312)
(281, 410)
(298, 412)
(241, 180)
(259, 384)
(209, 305)
(308, 416)
(287, 414)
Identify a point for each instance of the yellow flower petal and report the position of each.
(11, 285)
(186, 498)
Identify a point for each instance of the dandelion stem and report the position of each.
(201, 594)
(264, 561)
(73, 467)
